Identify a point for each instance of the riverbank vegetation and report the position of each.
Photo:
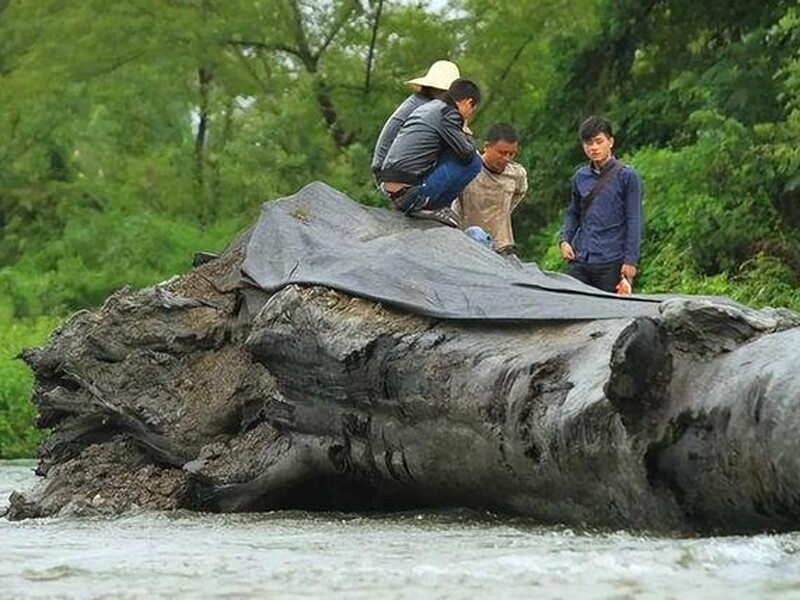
(134, 133)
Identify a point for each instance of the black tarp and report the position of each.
(321, 237)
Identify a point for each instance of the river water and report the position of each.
(426, 555)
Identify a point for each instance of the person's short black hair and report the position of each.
(464, 88)
(593, 126)
(430, 92)
(502, 132)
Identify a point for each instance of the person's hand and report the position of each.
(567, 253)
(628, 272)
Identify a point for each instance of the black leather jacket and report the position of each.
(432, 131)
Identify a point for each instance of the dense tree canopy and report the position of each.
(137, 131)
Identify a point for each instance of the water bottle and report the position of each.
(480, 236)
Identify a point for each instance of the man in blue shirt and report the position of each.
(602, 229)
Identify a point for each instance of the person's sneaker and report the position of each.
(442, 215)
(407, 199)
(201, 258)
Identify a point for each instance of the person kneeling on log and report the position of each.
(432, 159)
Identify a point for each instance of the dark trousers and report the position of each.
(604, 276)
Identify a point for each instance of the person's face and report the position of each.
(497, 155)
(467, 108)
(598, 149)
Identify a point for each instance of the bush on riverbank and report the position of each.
(18, 438)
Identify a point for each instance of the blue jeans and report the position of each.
(447, 179)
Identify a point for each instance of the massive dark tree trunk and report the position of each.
(206, 393)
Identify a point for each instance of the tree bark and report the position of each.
(208, 394)
(204, 81)
(376, 20)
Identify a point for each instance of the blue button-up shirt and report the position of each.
(611, 229)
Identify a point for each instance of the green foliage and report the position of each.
(18, 438)
(508, 52)
(704, 200)
(101, 252)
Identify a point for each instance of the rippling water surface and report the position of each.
(426, 555)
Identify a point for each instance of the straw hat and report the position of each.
(440, 75)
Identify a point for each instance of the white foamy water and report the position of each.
(429, 555)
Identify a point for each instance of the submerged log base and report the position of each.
(105, 479)
(206, 394)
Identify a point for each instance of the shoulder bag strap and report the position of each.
(598, 187)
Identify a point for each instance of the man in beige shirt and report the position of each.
(490, 198)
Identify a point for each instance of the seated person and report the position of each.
(432, 159)
(489, 199)
(432, 85)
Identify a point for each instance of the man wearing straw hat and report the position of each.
(431, 85)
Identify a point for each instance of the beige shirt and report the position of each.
(489, 200)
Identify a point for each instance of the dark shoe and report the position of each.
(408, 199)
(201, 258)
(442, 215)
